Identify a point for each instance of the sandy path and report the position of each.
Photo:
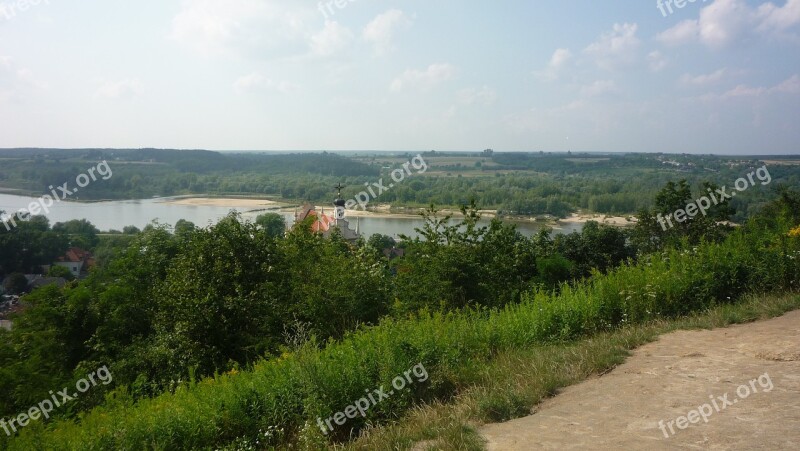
(667, 379)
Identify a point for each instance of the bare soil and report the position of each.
(667, 379)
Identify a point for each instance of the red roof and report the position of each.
(78, 255)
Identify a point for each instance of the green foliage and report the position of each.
(299, 325)
(553, 271)
(455, 265)
(218, 301)
(60, 271)
(29, 245)
(331, 285)
(81, 233)
(658, 228)
(130, 230)
(290, 392)
(597, 247)
(184, 229)
(514, 183)
(272, 223)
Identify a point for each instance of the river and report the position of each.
(118, 214)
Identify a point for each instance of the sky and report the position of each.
(715, 76)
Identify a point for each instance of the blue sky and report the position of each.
(720, 76)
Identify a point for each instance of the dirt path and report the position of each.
(667, 379)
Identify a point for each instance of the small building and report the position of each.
(77, 260)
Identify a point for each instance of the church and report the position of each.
(326, 224)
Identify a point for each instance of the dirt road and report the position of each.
(638, 405)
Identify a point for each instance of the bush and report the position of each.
(60, 271)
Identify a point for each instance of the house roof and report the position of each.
(75, 255)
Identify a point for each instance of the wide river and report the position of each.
(118, 214)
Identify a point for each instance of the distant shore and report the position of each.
(387, 211)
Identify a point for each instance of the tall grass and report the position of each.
(516, 381)
(277, 402)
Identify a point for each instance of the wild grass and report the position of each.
(515, 382)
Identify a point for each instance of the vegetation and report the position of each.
(514, 382)
(192, 326)
(29, 245)
(527, 184)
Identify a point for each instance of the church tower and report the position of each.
(339, 210)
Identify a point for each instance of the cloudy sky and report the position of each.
(716, 76)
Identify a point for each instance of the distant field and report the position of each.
(587, 160)
(782, 162)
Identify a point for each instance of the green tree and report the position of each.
(659, 227)
(596, 247)
(218, 301)
(272, 223)
(130, 230)
(29, 245)
(81, 233)
(184, 228)
(60, 271)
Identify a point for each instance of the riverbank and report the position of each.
(388, 211)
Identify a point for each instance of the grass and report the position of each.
(515, 382)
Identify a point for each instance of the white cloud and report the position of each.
(331, 40)
(790, 86)
(683, 32)
(559, 60)
(433, 75)
(599, 88)
(617, 48)
(255, 81)
(129, 87)
(744, 91)
(381, 30)
(480, 96)
(721, 22)
(774, 19)
(727, 21)
(211, 27)
(703, 79)
(18, 77)
(656, 61)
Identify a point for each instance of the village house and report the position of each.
(77, 260)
